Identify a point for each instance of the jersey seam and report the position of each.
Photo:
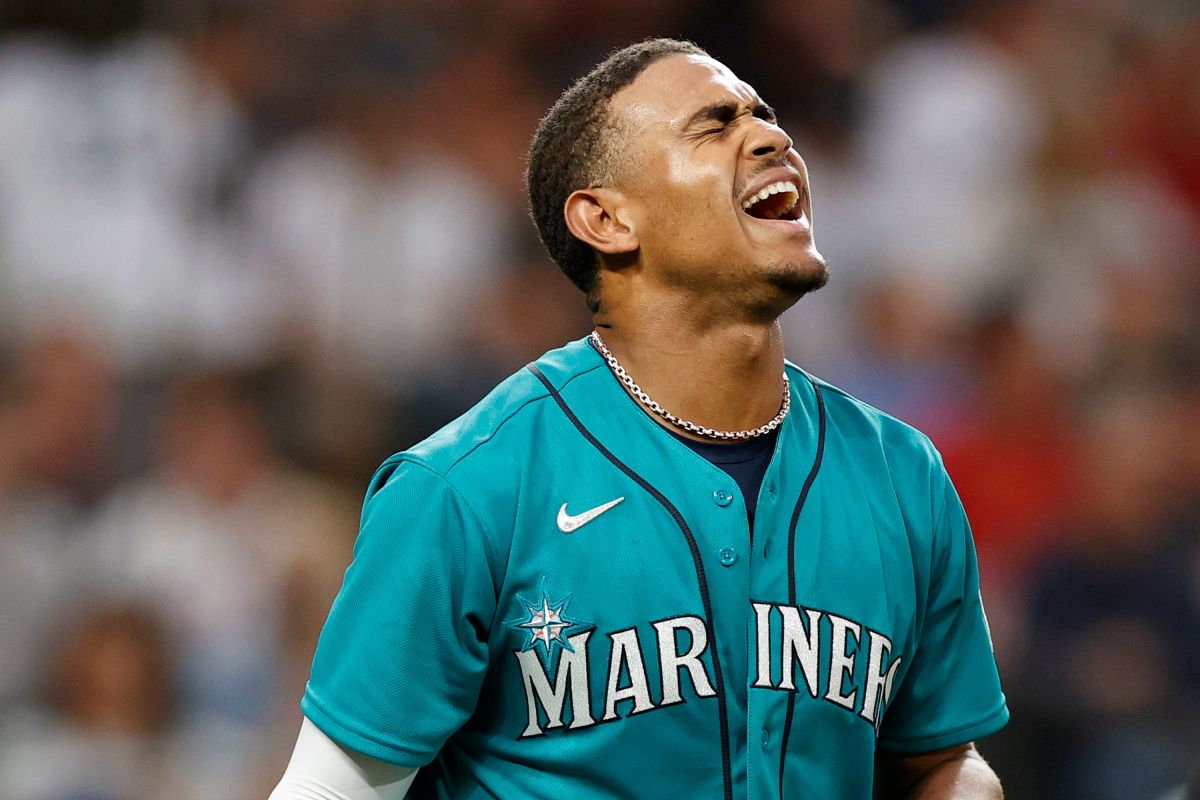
(939, 546)
(528, 401)
(937, 475)
(466, 503)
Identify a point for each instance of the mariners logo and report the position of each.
(547, 624)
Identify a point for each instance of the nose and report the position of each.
(766, 140)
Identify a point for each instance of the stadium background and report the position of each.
(247, 250)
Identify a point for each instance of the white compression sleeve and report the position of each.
(322, 769)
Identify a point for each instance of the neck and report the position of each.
(720, 374)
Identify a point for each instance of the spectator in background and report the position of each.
(948, 136)
(1013, 458)
(212, 539)
(908, 356)
(1154, 103)
(1112, 672)
(386, 238)
(107, 736)
(57, 408)
(118, 159)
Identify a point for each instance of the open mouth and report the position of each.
(778, 201)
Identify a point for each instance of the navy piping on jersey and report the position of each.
(808, 482)
(726, 768)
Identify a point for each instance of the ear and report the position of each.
(600, 218)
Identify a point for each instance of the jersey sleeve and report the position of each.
(951, 693)
(402, 655)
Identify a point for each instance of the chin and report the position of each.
(782, 284)
(798, 278)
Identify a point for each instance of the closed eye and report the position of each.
(765, 112)
(715, 119)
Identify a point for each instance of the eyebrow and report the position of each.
(725, 111)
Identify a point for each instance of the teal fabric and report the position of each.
(475, 639)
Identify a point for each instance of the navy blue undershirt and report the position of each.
(746, 462)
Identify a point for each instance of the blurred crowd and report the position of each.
(250, 249)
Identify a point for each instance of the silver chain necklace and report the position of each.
(691, 427)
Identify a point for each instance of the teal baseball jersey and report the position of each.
(553, 596)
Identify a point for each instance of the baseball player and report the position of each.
(660, 561)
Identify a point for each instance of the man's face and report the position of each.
(719, 198)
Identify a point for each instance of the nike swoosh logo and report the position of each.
(569, 524)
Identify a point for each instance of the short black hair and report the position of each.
(569, 151)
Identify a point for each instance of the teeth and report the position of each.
(767, 191)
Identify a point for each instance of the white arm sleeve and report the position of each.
(322, 769)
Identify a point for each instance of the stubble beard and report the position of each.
(795, 278)
(758, 293)
(789, 281)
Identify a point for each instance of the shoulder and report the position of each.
(500, 431)
(859, 424)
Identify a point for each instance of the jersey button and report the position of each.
(723, 497)
(728, 556)
(766, 738)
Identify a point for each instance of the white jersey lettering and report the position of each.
(879, 684)
(571, 675)
(671, 662)
(841, 663)
(627, 652)
(800, 646)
